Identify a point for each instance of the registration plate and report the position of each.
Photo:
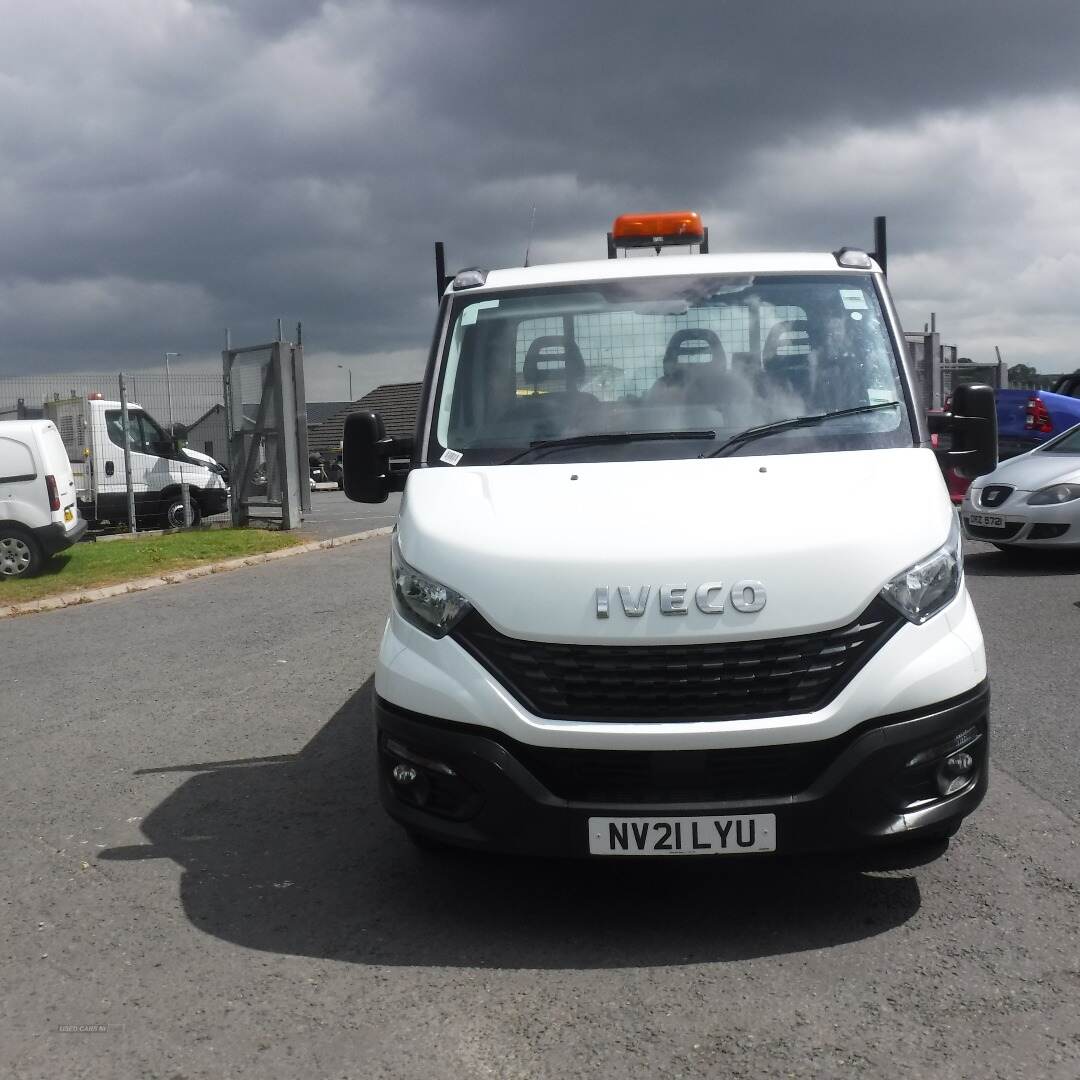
(735, 835)
(987, 521)
(68, 515)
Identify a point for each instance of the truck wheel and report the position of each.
(20, 555)
(173, 518)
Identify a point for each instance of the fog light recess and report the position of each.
(955, 773)
(404, 774)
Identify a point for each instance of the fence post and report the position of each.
(132, 527)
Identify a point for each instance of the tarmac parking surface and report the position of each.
(200, 882)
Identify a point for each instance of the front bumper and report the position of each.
(213, 501)
(478, 788)
(1025, 526)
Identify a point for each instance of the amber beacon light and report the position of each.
(677, 227)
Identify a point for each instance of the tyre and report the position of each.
(173, 517)
(20, 555)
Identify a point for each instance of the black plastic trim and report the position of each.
(473, 631)
(857, 799)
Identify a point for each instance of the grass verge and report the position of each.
(90, 566)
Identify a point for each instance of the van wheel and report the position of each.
(20, 555)
(173, 518)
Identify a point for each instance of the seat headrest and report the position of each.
(564, 354)
(693, 342)
(781, 335)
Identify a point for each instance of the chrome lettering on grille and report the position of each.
(602, 602)
(710, 598)
(634, 608)
(673, 600)
(747, 596)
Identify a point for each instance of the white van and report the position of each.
(38, 512)
(93, 432)
(675, 570)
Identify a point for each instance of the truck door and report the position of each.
(109, 465)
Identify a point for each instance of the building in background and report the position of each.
(396, 403)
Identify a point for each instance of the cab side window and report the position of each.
(142, 435)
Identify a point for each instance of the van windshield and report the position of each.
(696, 360)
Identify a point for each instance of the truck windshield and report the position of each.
(704, 357)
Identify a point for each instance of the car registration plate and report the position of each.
(713, 835)
(68, 515)
(987, 521)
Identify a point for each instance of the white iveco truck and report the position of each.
(676, 571)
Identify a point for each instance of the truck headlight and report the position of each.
(1051, 496)
(429, 605)
(924, 588)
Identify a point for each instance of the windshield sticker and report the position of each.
(853, 299)
(856, 316)
(451, 457)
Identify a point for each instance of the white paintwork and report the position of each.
(918, 666)
(30, 450)
(529, 545)
(815, 262)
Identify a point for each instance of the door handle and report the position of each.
(110, 468)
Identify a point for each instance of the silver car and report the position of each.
(1029, 501)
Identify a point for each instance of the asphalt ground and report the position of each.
(195, 864)
(332, 514)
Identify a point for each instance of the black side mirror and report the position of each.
(972, 427)
(366, 453)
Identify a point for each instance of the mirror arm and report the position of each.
(393, 450)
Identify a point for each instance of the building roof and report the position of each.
(396, 403)
(318, 411)
(816, 262)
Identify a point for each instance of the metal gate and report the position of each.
(266, 417)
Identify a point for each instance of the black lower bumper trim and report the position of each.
(476, 787)
(55, 537)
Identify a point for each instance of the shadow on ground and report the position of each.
(1021, 562)
(294, 855)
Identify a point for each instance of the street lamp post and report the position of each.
(349, 370)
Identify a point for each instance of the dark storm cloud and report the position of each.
(215, 164)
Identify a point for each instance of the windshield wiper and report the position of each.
(750, 434)
(606, 437)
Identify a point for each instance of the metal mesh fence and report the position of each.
(187, 406)
(255, 417)
(624, 351)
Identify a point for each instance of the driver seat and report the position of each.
(553, 359)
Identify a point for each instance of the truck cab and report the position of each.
(675, 570)
(95, 435)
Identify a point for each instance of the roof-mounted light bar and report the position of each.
(470, 278)
(853, 259)
(676, 228)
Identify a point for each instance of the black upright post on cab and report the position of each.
(881, 247)
(440, 271)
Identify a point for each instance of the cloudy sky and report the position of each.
(173, 167)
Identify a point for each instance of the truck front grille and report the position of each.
(994, 494)
(727, 680)
(679, 776)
